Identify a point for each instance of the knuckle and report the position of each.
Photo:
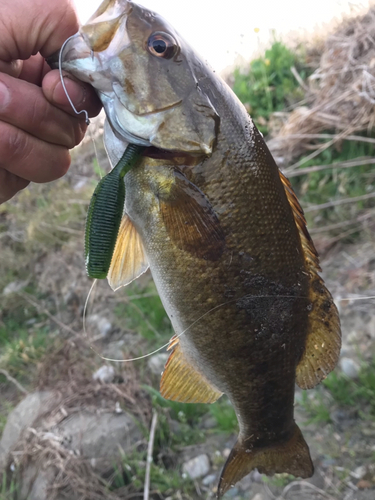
(14, 143)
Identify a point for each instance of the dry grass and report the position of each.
(340, 94)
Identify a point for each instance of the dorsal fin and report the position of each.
(323, 340)
(311, 254)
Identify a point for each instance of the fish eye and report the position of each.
(162, 44)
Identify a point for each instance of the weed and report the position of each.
(146, 315)
(224, 415)
(347, 392)
(268, 85)
(178, 423)
(21, 349)
(315, 406)
(8, 488)
(130, 472)
(330, 184)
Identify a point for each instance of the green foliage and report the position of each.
(354, 393)
(330, 184)
(225, 416)
(186, 417)
(316, 406)
(268, 85)
(8, 488)
(146, 314)
(165, 481)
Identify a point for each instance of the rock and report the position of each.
(14, 287)
(98, 435)
(232, 492)
(363, 484)
(105, 374)
(156, 363)
(258, 496)
(197, 467)
(36, 483)
(98, 325)
(208, 480)
(24, 415)
(350, 368)
(359, 472)
(209, 423)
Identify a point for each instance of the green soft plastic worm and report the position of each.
(105, 213)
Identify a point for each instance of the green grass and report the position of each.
(344, 392)
(145, 315)
(8, 488)
(166, 481)
(354, 393)
(268, 84)
(225, 416)
(331, 184)
(316, 406)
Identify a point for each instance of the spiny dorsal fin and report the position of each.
(129, 260)
(323, 341)
(182, 382)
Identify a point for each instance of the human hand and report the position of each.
(37, 123)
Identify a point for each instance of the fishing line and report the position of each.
(63, 83)
(186, 329)
(85, 308)
(194, 322)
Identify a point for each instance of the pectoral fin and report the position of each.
(182, 382)
(189, 219)
(129, 260)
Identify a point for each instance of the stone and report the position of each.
(359, 472)
(258, 496)
(156, 363)
(197, 467)
(208, 480)
(98, 325)
(98, 435)
(350, 368)
(23, 416)
(14, 287)
(105, 374)
(36, 483)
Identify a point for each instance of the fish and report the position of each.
(222, 231)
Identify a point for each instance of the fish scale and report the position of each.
(222, 230)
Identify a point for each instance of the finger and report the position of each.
(10, 184)
(30, 158)
(82, 94)
(25, 106)
(33, 70)
(12, 68)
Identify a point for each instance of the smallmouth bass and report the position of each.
(222, 231)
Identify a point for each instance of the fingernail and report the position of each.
(75, 91)
(4, 96)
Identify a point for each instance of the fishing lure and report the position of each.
(105, 213)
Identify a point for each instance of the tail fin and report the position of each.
(292, 456)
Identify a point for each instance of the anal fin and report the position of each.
(182, 382)
(292, 457)
(129, 260)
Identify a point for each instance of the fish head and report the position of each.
(147, 77)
